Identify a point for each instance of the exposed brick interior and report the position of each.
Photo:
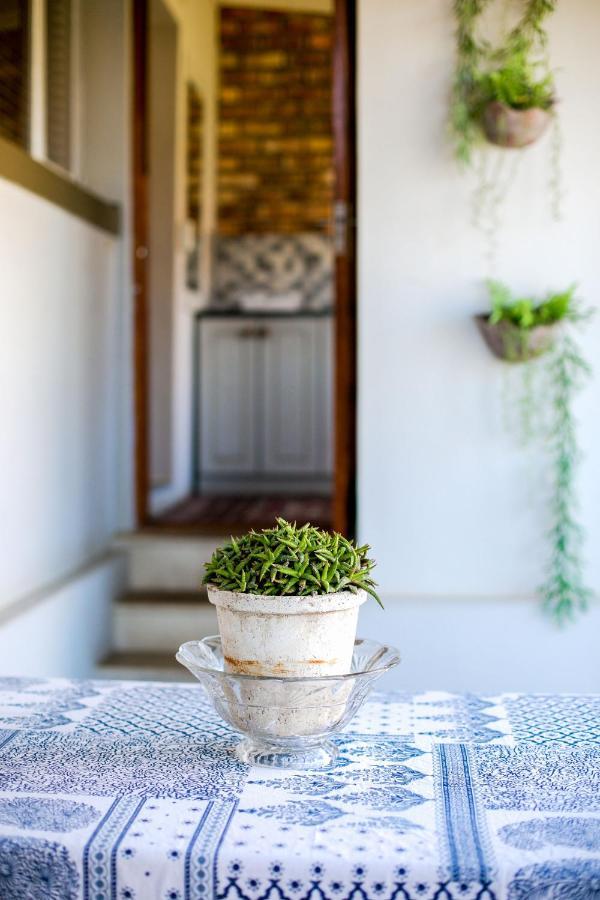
(275, 139)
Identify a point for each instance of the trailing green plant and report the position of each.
(515, 72)
(563, 592)
(508, 72)
(288, 560)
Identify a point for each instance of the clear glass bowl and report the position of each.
(287, 721)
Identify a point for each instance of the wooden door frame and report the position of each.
(141, 328)
(344, 128)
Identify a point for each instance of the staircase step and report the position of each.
(160, 621)
(142, 666)
(181, 597)
(159, 561)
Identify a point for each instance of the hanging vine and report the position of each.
(503, 94)
(552, 374)
(564, 592)
(508, 71)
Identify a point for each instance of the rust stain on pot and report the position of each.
(254, 667)
(321, 662)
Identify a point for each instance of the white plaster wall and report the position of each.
(105, 113)
(452, 506)
(66, 629)
(484, 644)
(59, 390)
(196, 61)
(435, 463)
(65, 386)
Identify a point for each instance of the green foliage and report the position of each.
(504, 73)
(288, 560)
(515, 84)
(525, 312)
(564, 592)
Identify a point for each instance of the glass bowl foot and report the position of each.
(259, 753)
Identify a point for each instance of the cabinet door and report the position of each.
(296, 415)
(228, 389)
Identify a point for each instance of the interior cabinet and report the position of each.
(265, 402)
(229, 396)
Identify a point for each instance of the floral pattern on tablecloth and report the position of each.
(131, 791)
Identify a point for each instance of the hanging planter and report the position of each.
(517, 330)
(511, 343)
(505, 93)
(508, 127)
(503, 96)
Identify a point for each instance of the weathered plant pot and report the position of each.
(283, 638)
(508, 127)
(514, 344)
(287, 637)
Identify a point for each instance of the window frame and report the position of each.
(28, 166)
(38, 90)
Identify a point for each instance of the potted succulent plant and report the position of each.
(287, 600)
(519, 329)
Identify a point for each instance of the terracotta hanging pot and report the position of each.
(513, 344)
(508, 127)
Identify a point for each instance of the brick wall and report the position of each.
(275, 142)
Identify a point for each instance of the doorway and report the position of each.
(275, 364)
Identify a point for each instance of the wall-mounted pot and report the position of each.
(508, 127)
(513, 344)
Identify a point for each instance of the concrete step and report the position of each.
(142, 667)
(160, 621)
(159, 561)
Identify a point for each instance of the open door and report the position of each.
(344, 137)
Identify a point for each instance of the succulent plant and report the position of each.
(288, 560)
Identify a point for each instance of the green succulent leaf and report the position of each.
(291, 560)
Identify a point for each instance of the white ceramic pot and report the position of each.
(287, 636)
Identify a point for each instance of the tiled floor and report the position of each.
(225, 513)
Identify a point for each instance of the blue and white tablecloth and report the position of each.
(122, 790)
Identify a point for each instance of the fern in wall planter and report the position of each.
(519, 330)
(503, 95)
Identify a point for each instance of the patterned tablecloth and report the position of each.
(129, 790)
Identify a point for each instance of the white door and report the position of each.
(297, 418)
(228, 397)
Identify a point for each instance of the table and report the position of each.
(130, 791)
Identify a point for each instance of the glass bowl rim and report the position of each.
(308, 679)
